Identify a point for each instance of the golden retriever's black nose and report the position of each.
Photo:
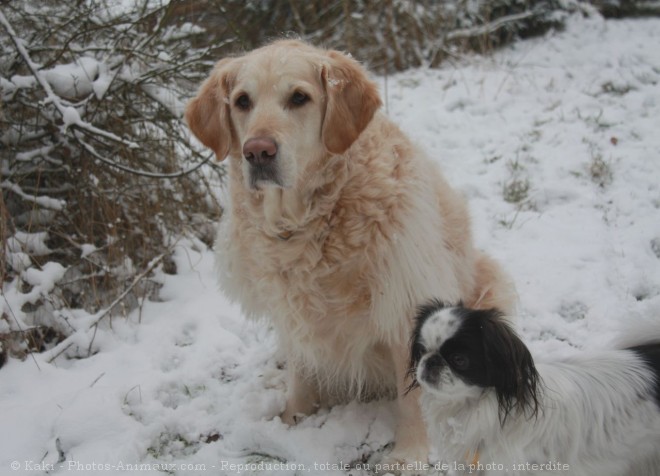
(259, 150)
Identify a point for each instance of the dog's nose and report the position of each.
(259, 150)
(429, 369)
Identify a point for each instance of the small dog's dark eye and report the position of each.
(298, 99)
(459, 361)
(243, 102)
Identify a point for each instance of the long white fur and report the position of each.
(598, 418)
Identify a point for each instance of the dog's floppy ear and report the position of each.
(352, 100)
(207, 113)
(511, 368)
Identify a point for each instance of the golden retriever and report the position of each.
(338, 227)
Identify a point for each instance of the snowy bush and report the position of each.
(390, 35)
(98, 172)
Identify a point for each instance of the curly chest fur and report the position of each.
(319, 288)
(317, 271)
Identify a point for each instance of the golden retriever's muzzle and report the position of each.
(261, 154)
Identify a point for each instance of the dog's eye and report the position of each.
(243, 102)
(459, 361)
(298, 99)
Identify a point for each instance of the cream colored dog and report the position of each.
(338, 227)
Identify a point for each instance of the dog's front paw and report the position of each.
(290, 417)
(302, 399)
(296, 410)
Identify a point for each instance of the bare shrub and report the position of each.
(98, 171)
(389, 35)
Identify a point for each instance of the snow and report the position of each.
(42, 201)
(87, 249)
(188, 382)
(70, 116)
(166, 97)
(73, 80)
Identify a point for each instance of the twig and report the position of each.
(62, 350)
(69, 341)
(155, 262)
(142, 173)
(44, 202)
(97, 379)
(121, 297)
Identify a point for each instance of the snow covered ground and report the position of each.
(556, 143)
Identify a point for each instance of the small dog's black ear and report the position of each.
(510, 368)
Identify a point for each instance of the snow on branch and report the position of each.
(44, 202)
(99, 162)
(70, 115)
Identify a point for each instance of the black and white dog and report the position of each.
(490, 409)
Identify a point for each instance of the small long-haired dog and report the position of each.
(491, 410)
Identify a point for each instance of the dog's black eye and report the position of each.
(298, 99)
(243, 102)
(459, 361)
